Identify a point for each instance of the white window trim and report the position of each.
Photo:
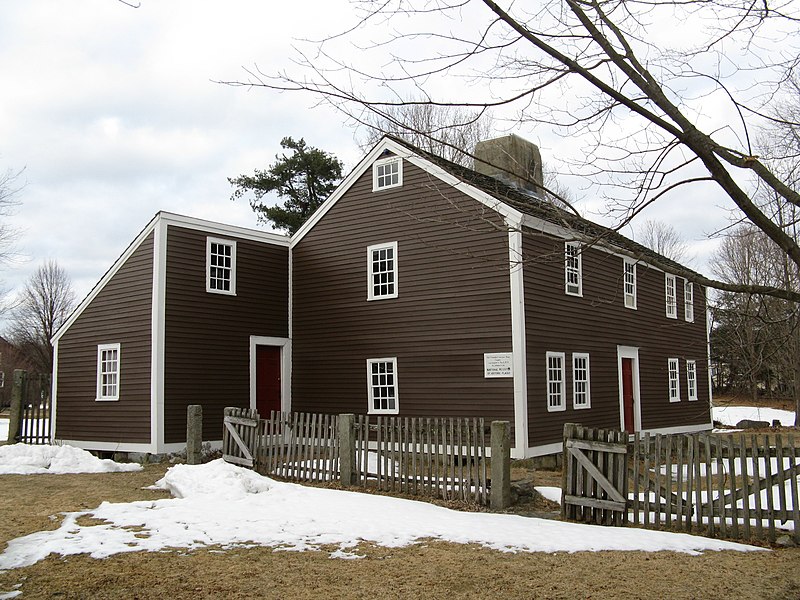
(563, 401)
(371, 410)
(625, 294)
(232, 244)
(579, 355)
(691, 376)
(100, 349)
(579, 258)
(370, 290)
(677, 371)
(688, 301)
(671, 308)
(386, 161)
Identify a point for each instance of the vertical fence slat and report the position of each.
(794, 494)
(746, 469)
(757, 486)
(723, 520)
(781, 483)
(732, 486)
(769, 489)
(668, 484)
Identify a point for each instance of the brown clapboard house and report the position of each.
(418, 288)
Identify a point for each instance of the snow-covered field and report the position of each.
(222, 504)
(731, 415)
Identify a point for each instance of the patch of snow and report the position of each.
(24, 459)
(226, 505)
(550, 493)
(731, 415)
(9, 595)
(3, 431)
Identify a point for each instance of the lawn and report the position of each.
(33, 503)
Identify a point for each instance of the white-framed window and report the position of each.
(629, 283)
(573, 279)
(382, 386)
(672, 303)
(688, 301)
(108, 362)
(220, 266)
(2, 379)
(387, 173)
(674, 380)
(382, 271)
(556, 386)
(691, 379)
(581, 395)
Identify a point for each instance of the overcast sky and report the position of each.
(114, 114)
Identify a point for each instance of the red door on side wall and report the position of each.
(268, 380)
(627, 394)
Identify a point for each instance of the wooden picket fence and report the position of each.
(440, 457)
(739, 486)
(294, 446)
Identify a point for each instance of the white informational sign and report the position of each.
(497, 364)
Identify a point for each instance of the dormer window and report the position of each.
(387, 173)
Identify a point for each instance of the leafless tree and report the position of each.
(447, 131)
(45, 303)
(602, 70)
(663, 238)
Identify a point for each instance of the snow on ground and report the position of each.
(731, 415)
(3, 430)
(25, 460)
(550, 493)
(222, 504)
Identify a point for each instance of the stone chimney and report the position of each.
(511, 159)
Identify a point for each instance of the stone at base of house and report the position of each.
(548, 462)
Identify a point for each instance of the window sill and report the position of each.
(106, 399)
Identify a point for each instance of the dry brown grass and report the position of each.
(432, 570)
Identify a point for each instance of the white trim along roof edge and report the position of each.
(169, 219)
(389, 144)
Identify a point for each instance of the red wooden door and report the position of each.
(268, 380)
(627, 394)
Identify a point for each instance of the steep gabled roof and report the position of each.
(535, 207)
(506, 200)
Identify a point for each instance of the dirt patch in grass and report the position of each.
(430, 570)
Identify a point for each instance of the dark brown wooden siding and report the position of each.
(453, 302)
(207, 336)
(597, 323)
(120, 313)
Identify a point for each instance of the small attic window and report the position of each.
(387, 173)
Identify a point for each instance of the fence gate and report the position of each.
(239, 437)
(595, 480)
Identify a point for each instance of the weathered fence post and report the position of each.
(347, 449)
(194, 434)
(501, 465)
(15, 417)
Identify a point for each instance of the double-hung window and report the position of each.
(556, 386)
(671, 299)
(629, 284)
(387, 173)
(580, 381)
(220, 266)
(688, 301)
(572, 269)
(691, 379)
(382, 386)
(108, 361)
(674, 380)
(382, 271)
